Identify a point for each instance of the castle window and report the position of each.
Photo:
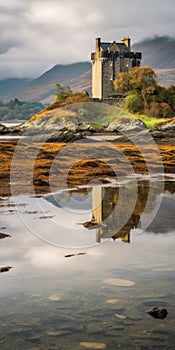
(111, 78)
(110, 64)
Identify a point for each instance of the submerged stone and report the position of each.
(119, 282)
(5, 268)
(158, 312)
(4, 235)
(55, 297)
(112, 301)
(89, 345)
(122, 317)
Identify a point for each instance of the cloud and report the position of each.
(38, 34)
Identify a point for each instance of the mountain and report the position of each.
(61, 73)
(10, 86)
(77, 75)
(157, 52)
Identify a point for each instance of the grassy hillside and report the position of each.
(80, 108)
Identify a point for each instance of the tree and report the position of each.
(59, 93)
(68, 91)
(62, 92)
(134, 103)
(122, 84)
(143, 80)
(140, 80)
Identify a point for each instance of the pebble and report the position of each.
(96, 346)
(119, 282)
(112, 301)
(55, 297)
(122, 317)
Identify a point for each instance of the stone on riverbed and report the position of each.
(119, 282)
(96, 346)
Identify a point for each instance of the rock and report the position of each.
(158, 312)
(119, 282)
(55, 297)
(55, 333)
(5, 268)
(112, 301)
(70, 255)
(89, 345)
(122, 317)
(4, 235)
(90, 224)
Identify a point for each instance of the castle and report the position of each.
(107, 61)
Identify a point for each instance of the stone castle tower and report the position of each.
(107, 61)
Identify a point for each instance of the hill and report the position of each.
(157, 52)
(43, 89)
(10, 86)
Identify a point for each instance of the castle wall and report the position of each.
(97, 78)
(107, 63)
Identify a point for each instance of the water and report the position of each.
(10, 124)
(58, 293)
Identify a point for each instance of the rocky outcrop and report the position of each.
(164, 133)
(80, 120)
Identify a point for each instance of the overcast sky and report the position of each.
(37, 34)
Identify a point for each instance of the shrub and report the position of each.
(134, 103)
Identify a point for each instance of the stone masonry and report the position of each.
(107, 61)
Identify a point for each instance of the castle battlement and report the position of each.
(107, 61)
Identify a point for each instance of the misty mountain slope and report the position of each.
(157, 52)
(77, 75)
(60, 73)
(10, 86)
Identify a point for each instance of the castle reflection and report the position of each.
(118, 218)
(117, 211)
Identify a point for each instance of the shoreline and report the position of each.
(41, 169)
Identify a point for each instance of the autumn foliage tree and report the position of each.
(143, 94)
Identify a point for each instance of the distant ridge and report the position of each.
(77, 75)
(9, 86)
(157, 52)
(61, 73)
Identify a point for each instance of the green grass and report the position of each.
(115, 116)
(150, 122)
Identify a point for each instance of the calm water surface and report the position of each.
(66, 248)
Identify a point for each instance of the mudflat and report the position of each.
(50, 166)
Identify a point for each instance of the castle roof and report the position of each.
(122, 47)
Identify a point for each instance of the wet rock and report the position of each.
(158, 312)
(5, 268)
(70, 255)
(122, 317)
(89, 345)
(55, 333)
(112, 301)
(4, 235)
(55, 297)
(119, 282)
(89, 224)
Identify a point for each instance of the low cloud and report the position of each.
(38, 34)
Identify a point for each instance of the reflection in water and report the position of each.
(117, 210)
(50, 302)
(118, 218)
